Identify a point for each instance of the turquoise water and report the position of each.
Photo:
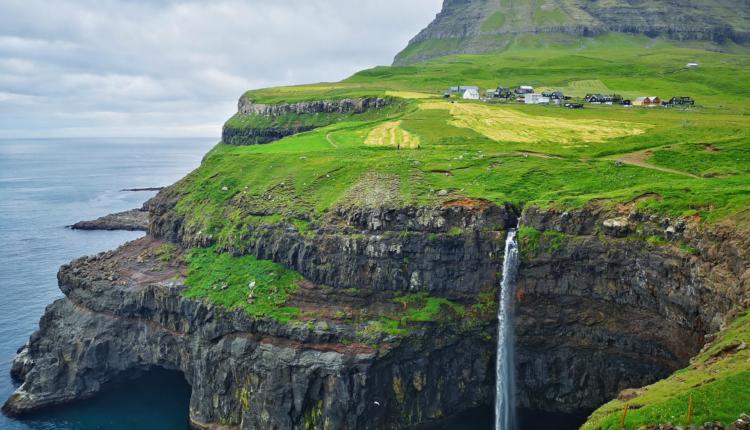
(44, 186)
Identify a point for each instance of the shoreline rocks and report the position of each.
(131, 220)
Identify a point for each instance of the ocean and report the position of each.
(44, 186)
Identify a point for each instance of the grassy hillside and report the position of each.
(717, 380)
(697, 161)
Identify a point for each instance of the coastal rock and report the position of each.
(594, 315)
(617, 227)
(132, 220)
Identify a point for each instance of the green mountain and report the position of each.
(477, 26)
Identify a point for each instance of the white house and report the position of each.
(535, 99)
(525, 89)
(471, 94)
(692, 65)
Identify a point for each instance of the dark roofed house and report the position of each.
(462, 89)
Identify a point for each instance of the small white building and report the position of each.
(535, 99)
(525, 89)
(692, 65)
(471, 94)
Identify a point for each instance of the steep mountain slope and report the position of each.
(476, 26)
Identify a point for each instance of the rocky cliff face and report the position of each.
(601, 310)
(124, 312)
(259, 123)
(598, 310)
(476, 26)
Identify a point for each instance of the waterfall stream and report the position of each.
(505, 406)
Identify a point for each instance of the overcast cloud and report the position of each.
(177, 68)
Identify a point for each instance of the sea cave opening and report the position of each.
(144, 399)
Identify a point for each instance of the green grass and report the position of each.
(417, 308)
(717, 381)
(494, 22)
(228, 281)
(532, 241)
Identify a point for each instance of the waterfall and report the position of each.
(505, 405)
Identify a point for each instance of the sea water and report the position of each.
(44, 186)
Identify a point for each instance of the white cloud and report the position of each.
(168, 67)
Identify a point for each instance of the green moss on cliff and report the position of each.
(260, 288)
(718, 380)
(532, 241)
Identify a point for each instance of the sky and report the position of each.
(170, 68)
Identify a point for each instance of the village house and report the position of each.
(525, 89)
(650, 101)
(692, 65)
(599, 99)
(471, 94)
(461, 89)
(679, 101)
(535, 99)
(501, 92)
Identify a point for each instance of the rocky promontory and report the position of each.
(260, 123)
(131, 220)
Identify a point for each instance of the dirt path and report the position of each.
(640, 159)
(330, 140)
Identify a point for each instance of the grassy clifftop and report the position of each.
(694, 162)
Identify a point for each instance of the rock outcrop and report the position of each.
(132, 220)
(601, 309)
(260, 123)
(477, 26)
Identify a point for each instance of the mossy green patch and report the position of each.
(259, 287)
(532, 241)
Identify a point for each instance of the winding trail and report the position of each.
(640, 159)
(330, 140)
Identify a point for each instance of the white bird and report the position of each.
(377, 403)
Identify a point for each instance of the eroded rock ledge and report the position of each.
(259, 123)
(599, 309)
(132, 220)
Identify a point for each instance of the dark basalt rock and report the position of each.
(262, 135)
(594, 314)
(132, 220)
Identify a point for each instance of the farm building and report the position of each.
(599, 99)
(524, 89)
(554, 95)
(461, 89)
(692, 65)
(647, 101)
(535, 99)
(679, 101)
(471, 94)
(502, 93)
